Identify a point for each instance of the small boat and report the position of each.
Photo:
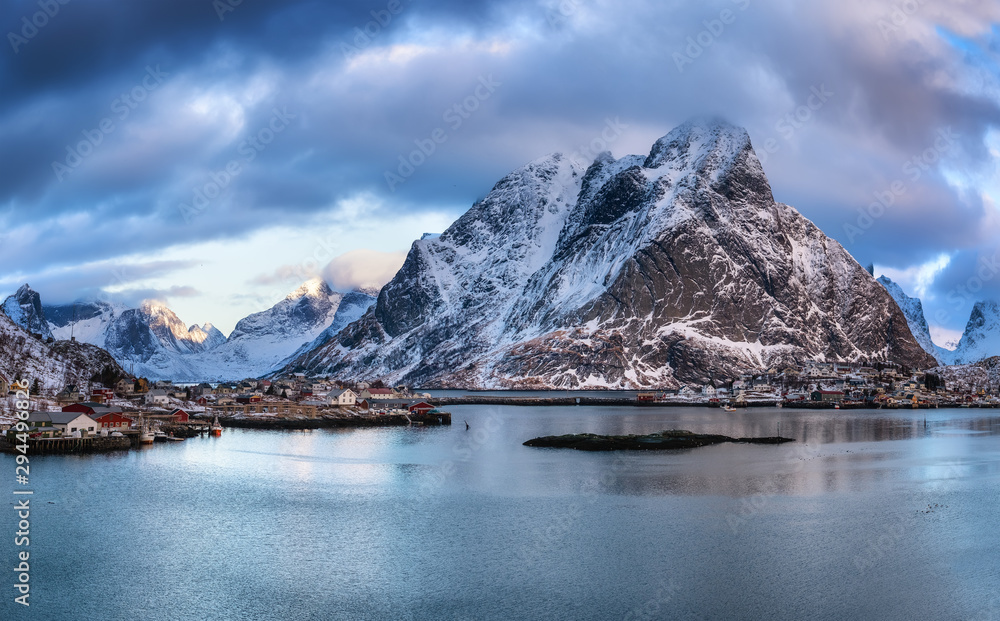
(173, 439)
(729, 408)
(159, 436)
(216, 428)
(145, 432)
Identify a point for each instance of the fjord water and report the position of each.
(870, 515)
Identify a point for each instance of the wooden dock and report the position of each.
(64, 446)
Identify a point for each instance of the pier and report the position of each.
(64, 446)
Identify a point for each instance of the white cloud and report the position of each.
(363, 268)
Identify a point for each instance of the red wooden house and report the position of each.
(421, 407)
(180, 416)
(113, 421)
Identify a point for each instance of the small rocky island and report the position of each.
(664, 440)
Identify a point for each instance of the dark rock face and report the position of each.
(638, 272)
(131, 338)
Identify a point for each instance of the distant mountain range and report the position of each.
(153, 342)
(647, 271)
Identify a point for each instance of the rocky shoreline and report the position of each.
(665, 440)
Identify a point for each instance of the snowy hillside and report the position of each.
(981, 375)
(643, 271)
(55, 366)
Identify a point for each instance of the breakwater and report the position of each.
(568, 401)
(335, 421)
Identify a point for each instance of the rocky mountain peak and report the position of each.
(25, 308)
(312, 288)
(637, 272)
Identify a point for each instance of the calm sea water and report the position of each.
(871, 515)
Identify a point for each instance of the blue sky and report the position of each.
(217, 155)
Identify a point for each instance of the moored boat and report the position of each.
(216, 428)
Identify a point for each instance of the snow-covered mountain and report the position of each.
(207, 335)
(153, 342)
(352, 306)
(913, 310)
(643, 271)
(261, 341)
(25, 309)
(54, 365)
(981, 338)
(86, 321)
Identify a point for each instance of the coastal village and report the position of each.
(139, 411)
(136, 412)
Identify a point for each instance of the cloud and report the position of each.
(363, 269)
(137, 296)
(562, 69)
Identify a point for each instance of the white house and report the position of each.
(342, 397)
(157, 396)
(65, 422)
(377, 393)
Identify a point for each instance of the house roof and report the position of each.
(56, 418)
(100, 415)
